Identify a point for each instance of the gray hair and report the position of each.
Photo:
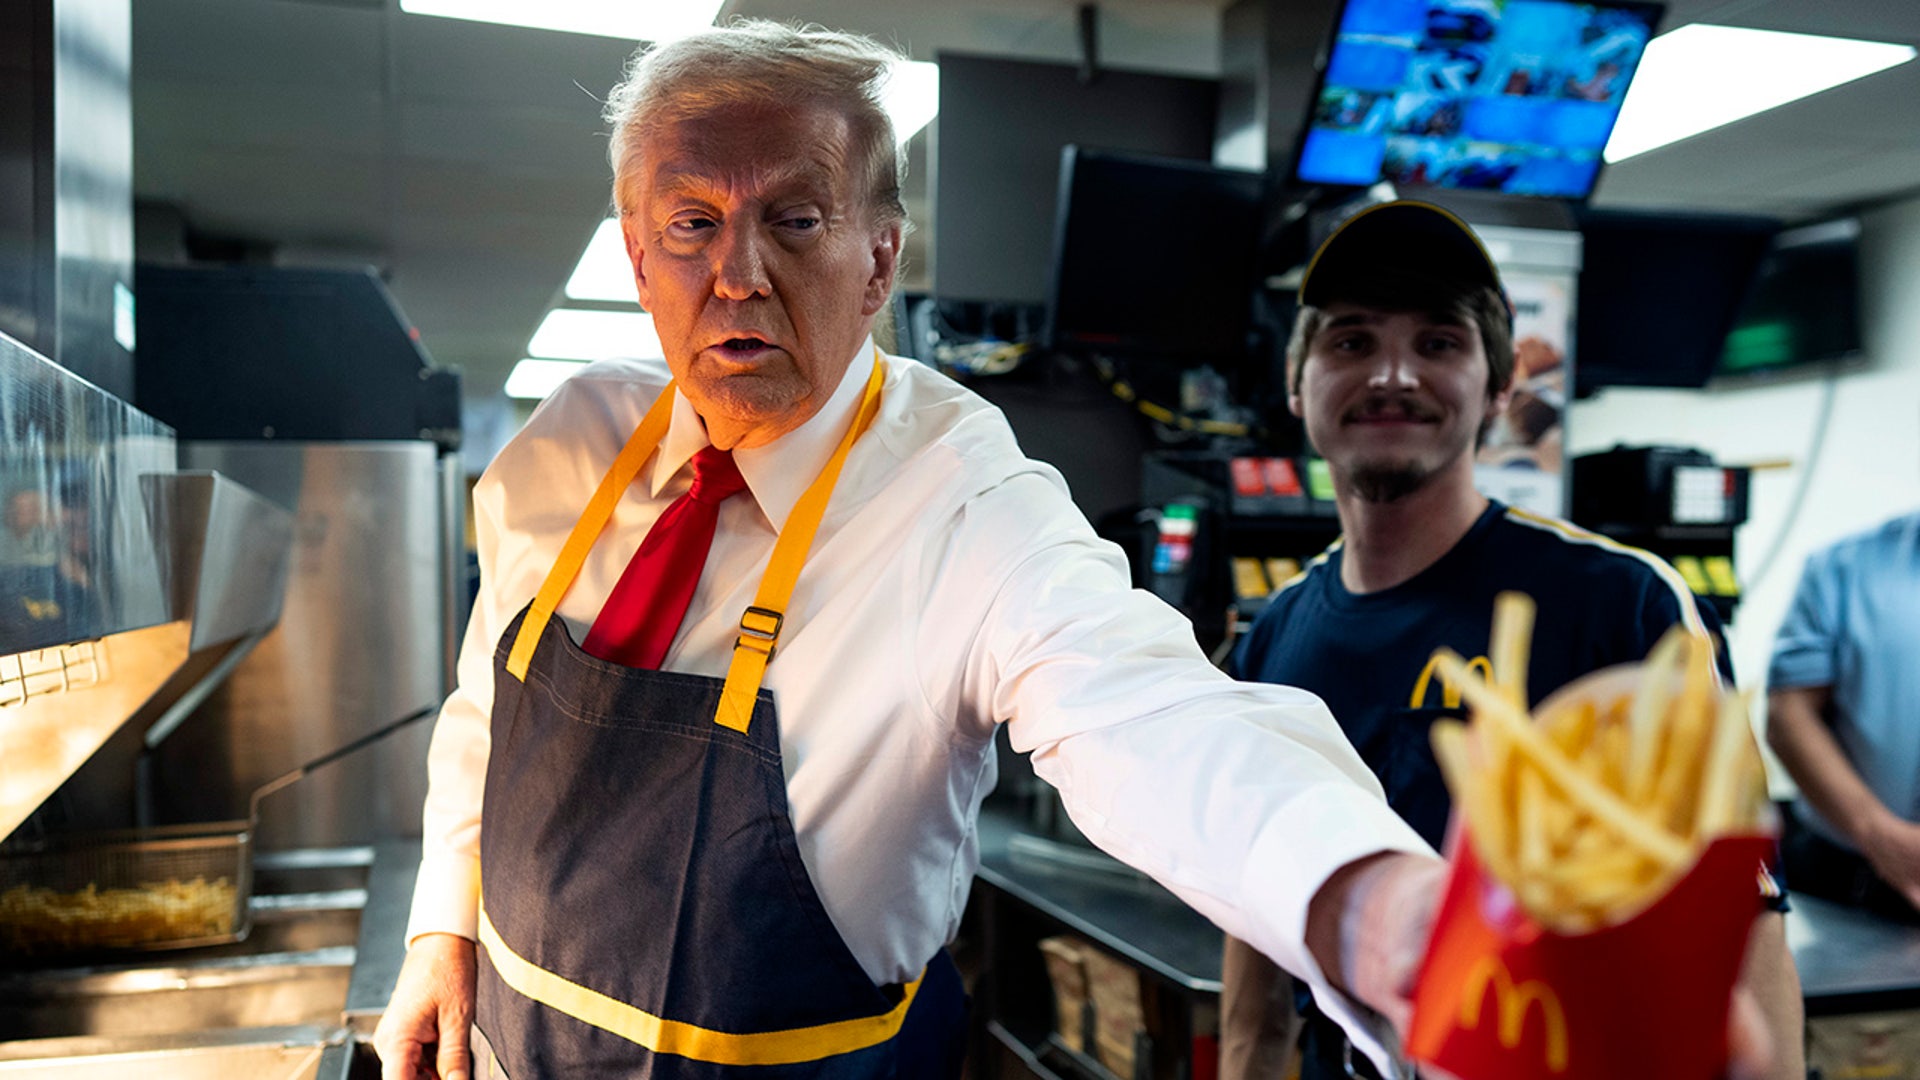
(759, 62)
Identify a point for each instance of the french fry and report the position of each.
(1530, 822)
(1512, 634)
(1677, 788)
(1646, 719)
(1572, 730)
(1723, 778)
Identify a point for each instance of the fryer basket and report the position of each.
(164, 888)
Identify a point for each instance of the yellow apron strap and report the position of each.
(640, 447)
(760, 624)
(663, 1036)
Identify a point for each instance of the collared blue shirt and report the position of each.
(1855, 626)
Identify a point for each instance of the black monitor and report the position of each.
(996, 159)
(1804, 308)
(1514, 96)
(251, 352)
(1153, 258)
(1659, 292)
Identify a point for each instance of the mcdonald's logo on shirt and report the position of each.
(1513, 1003)
(1449, 693)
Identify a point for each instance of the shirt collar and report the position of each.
(778, 473)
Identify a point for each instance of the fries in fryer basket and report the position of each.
(35, 920)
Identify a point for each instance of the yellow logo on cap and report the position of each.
(1513, 1002)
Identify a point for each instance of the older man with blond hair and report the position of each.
(705, 797)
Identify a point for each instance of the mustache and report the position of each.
(1392, 408)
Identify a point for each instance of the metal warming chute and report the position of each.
(224, 569)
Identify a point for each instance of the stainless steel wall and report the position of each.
(364, 638)
(66, 184)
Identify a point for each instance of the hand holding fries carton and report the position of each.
(1604, 870)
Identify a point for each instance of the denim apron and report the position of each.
(644, 908)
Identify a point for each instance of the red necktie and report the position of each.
(644, 611)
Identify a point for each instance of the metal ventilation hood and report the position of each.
(127, 590)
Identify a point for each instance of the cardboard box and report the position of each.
(1119, 1012)
(1067, 971)
(1865, 1046)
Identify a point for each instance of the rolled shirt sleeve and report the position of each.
(1805, 647)
(1241, 798)
(446, 894)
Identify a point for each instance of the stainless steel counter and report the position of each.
(1852, 961)
(1849, 961)
(383, 933)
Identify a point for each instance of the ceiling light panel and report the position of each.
(604, 272)
(568, 334)
(534, 379)
(1700, 77)
(911, 97)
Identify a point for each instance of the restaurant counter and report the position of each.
(1849, 961)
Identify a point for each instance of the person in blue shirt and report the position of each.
(1401, 357)
(1843, 709)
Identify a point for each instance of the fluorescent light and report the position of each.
(633, 20)
(536, 379)
(567, 334)
(1700, 77)
(911, 97)
(604, 272)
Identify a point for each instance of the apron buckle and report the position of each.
(759, 629)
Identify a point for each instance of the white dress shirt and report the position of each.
(953, 586)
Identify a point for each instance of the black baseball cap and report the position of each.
(1413, 236)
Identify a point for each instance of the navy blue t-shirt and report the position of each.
(1369, 656)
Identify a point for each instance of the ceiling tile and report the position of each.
(256, 43)
(458, 60)
(169, 117)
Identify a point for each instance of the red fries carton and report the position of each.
(1501, 996)
(1632, 821)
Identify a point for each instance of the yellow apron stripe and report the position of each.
(754, 647)
(686, 1040)
(640, 447)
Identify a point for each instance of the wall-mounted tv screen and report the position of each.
(1153, 257)
(1512, 96)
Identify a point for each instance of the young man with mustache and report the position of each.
(1401, 356)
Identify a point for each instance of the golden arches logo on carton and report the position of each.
(1513, 1002)
(1449, 693)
